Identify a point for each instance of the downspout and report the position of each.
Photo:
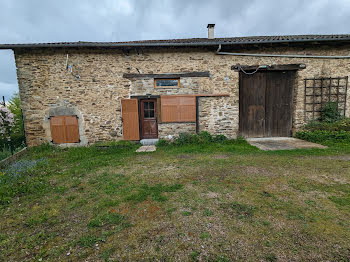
(218, 52)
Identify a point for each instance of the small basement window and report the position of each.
(166, 83)
(64, 129)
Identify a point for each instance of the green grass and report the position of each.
(4, 154)
(202, 202)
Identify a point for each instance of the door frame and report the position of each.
(240, 100)
(141, 117)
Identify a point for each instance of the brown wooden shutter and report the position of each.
(130, 115)
(179, 108)
(64, 129)
(72, 129)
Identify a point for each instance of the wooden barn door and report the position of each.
(252, 105)
(130, 117)
(279, 103)
(265, 107)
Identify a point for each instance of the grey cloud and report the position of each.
(111, 20)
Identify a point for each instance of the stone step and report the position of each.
(148, 142)
(150, 148)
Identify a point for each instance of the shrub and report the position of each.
(163, 142)
(319, 136)
(205, 137)
(186, 138)
(220, 139)
(329, 112)
(343, 124)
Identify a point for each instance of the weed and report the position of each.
(71, 198)
(204, 235)
(108, 218)
(107, 253)
(241, 210)
(271, 257)
(221, 259)
(36, 220)
(155, 192)
(195, 255)
(170, 211)
(208, 212)
(96, 222)
(186, 213)
(88, 240)
(341, 201)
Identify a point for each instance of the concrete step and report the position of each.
(149, 142)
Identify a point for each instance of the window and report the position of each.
(178, 108)
(64, 129)
(167, 83)
(148, 109)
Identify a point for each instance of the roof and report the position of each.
(191, 41)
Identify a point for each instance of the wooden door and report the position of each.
(252, 105)
(266, 104)
(279, 101)
(149, 125)
(130, 117)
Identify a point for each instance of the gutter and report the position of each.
(218, 52)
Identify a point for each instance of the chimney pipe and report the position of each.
(211, 31)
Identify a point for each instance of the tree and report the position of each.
(6, 122)
(15, 107)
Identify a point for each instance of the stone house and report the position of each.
(84, 92)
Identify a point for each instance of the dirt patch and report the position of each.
(187, 156)
(212, 195)
(253, 170)
(221, 156)
(342, 158)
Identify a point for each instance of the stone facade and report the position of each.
(95, 85)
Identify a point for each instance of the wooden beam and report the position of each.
(239, 67)
(174, 75)
(201, 95)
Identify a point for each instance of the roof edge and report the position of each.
(164, 44)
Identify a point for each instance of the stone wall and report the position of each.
(96, 85)
(218, 116)
(172, 130)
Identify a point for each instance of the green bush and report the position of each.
(343, 124)
(205, 137)
(220, 139)
(329, 113)
(319, 136)
(18, 141)
(163, 142)
(186, 138)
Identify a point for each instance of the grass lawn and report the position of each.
(215, 202)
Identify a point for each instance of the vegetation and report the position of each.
(329, 112)
(202, 201)
(11, 131)
(330, 128)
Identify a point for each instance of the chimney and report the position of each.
(211, 31)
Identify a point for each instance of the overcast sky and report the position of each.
(28, 21)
